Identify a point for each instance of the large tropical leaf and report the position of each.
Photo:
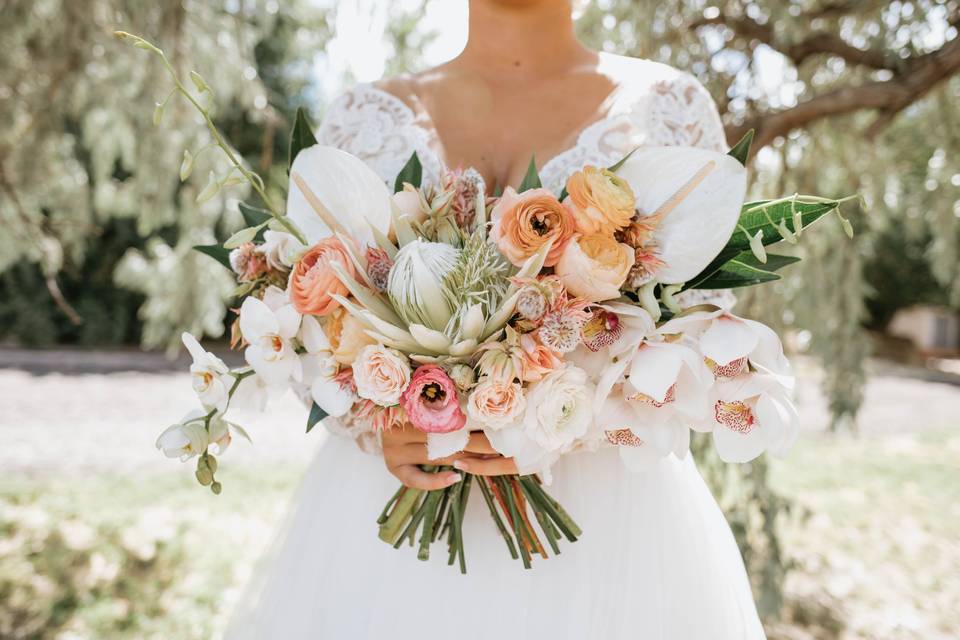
(757, 216)
(745, 270)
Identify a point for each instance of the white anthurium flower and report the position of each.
(692, 198)
(731, 345)
(353, 197)
(209, 375)
(189, 437)
(320, 370)
(270, 334)
(752, 413)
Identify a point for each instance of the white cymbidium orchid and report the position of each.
(270, 332)
(752, 413)
(733, 345)
(189, 437)
(665, 390)
(333, 191)
(209, 375)
(320, 370)
(692, 199)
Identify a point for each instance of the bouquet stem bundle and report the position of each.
(439, 513)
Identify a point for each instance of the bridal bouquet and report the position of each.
(550, 322)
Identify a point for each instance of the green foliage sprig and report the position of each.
(214, 185)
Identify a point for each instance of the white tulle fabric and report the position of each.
(657, 560)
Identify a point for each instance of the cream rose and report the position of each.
(496, 404)
(559, 409)
(524, 222)
(595, 267)
(600, 201)
(381, 374)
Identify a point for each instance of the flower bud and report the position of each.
(756, 246)
(199, 82)
(786, 233)
(212, 188)
(186, 167)
(416, 285)
(463, 376)
(204, 476)
(216, 487)
(158, 113)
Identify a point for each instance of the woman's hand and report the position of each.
(405, 449)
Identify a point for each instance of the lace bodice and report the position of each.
(660, 106)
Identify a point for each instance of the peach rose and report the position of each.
(600, 201)
(313, 282)
(594, 267)
(523, 222)
(346, 336)
(536, 359)
(496, 404)
(381, 374)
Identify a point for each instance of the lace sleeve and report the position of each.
(378, 128)
(683, 113)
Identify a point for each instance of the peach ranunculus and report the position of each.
(600, 201)
(496, 404)
(594, 267)
(523, 222)
(536, 359)
(313, 282)
(346, 336)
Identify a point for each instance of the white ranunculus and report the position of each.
(381, 374)
(281, 249)
(559, 408)
(270, 334)
(416, 283)
(209, 375)
(751, 414)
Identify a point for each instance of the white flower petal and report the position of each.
(332, 397)
(441, 445)
(257, 320)
(695, 231)
(288, 321)
(727, 339)
(312, 336)
(354, 194)
(654, 369)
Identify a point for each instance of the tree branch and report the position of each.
(917, 77)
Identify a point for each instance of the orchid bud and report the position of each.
(186, 167)
(786, 233)
(216, 487)
(756, 246)
(204, 476)
(199, 82)
(212, 188)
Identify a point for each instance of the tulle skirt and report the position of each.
(657, 561)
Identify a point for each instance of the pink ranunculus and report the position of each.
(431, 402)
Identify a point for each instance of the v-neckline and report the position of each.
(432, 133)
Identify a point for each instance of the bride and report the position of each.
(657, 560)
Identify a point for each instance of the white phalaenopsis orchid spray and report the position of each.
(551, 323)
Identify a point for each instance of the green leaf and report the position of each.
(316, 415)
(532, 179)
(754, 217)
(745, 270)
(741, 150)
(301, 137)
(217, 252)
(254, 217)
(412, 173)
(619, 163)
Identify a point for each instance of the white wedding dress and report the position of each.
(657, 560)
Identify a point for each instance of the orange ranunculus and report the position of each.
(523, 222)
(600, 201)
(313, 281)
(594, 267)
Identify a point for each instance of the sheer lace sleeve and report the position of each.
(378, 128)
(681, 112)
